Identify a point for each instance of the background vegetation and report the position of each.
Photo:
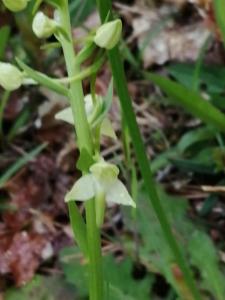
(174, 60)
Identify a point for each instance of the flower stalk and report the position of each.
(96, 285)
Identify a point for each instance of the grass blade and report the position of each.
(190, 100)
(19, 164)
(104, 7)
(4, 36)
(220, 16)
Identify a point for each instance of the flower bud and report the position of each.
(43, 26)
(11, 78)
(108, 35)
(15, 5)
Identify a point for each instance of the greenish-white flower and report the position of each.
(43, 26)
(15, 5)
(11, 78)
(108, 35)
(92, 112)
(102, 180)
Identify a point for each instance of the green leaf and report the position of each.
(43, 79)
(207, 161)
(4, 36)
(220, 16)
(43, 288)
(75, 272)
(205, 258)
(191, 101)
(79, 227)
(195, 136)
(119, 285)
(195, 244)
(211, 76)
(155, 253)
(163, 159)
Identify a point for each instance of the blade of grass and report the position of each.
(220, 16)
(104, 6)
(191, 101)
(4, 36)
(20, 163)
(20, 121)
(199, 63)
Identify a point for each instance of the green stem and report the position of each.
(104, 7)
(96, 285)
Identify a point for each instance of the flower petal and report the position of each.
(117, 193)
(83, 189)
(107, 129)
(65, 115)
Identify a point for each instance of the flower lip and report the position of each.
(104, 171)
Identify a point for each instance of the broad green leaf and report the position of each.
(220, 16)
(43, 288)
(204, 257)
(43, 79)
(191, 101)
(75, 272)
(155, 253)
(119, 285)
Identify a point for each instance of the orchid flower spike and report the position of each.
(15, 5)
(108, 35)
(11, 78)
(43, 26)
(92, 112)
(102, 180)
